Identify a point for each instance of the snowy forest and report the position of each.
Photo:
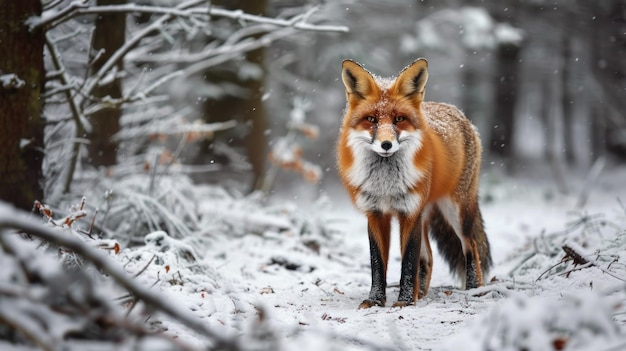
(168, 174)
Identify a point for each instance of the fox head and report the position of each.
(384, 115)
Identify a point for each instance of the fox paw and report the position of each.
(371, 303)
(403, 303)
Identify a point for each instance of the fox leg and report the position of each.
(478, 255)
(378, 230)
(426, 259)
(410, 243)
(466, 223)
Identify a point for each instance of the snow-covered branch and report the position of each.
(188, 10)
(274, 29)
(130, 44)
(13, 219)
(161, 63)
(180, 129)
(11, 82)
(81, 124)
(298, 21)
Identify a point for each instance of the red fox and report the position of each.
(399, 156)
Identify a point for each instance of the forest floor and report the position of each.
(291, 277)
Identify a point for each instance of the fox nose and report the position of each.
(386, 145)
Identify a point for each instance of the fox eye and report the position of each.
(399, 119)
(371, 119)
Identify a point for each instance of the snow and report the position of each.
(308, 284)
(284, 276)
(580, 321)
(477, 30)
(11, 81)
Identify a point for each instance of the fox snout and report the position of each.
(385, 142)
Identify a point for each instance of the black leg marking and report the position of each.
(377, 295)
(471, 277)
(410, 267)
(423, 277)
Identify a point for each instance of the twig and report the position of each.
(117, 103)
(93, 220)
(580, 259)
(522, 262)
(144, 267)
(153, 174)
(175, 155)
(564, 259)
(576, 268)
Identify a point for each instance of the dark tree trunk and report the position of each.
(609, 70)
(553, 129)
(598, 131)
(507, 57)
(108, 36)
(472, 100)
(249, 109)
(21, 123)
(567, 100)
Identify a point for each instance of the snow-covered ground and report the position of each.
(290, 277)
(294, 276)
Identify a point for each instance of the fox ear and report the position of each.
(358, 81)
(412, 80)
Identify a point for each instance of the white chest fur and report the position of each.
(384, 182)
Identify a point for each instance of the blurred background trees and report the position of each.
(543, 81)
(197, 88)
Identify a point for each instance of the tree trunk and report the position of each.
(21, 123)
(609, 70)
(108, 37)
(507, 57)
(249, 110)
(553, 120)
(567, 99)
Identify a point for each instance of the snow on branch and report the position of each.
(186, 10)
(11, 82)
(34, 266)
(160, 61)
(298, 21)
(478, 30)
(191, 130)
